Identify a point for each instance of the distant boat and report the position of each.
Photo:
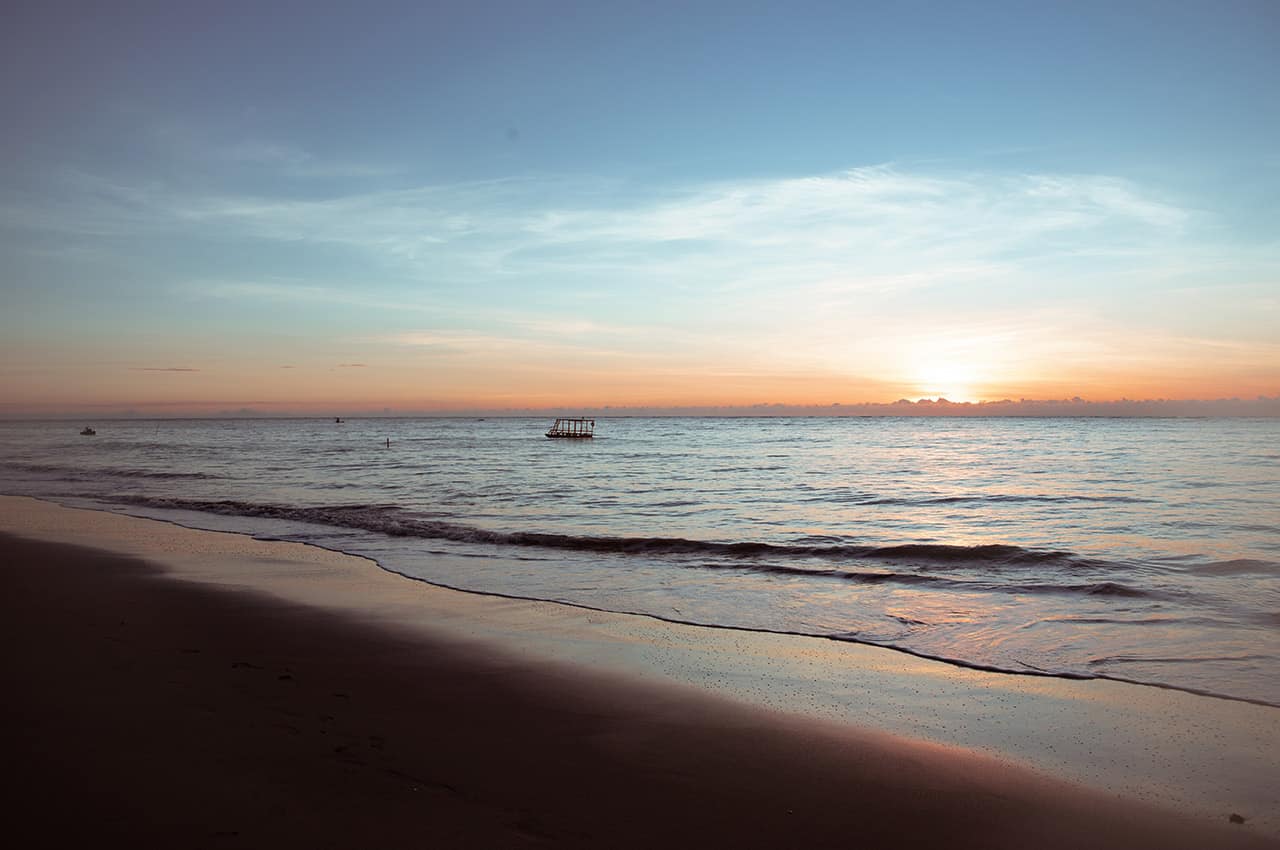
(573, 428)
(337, 419)
(87, 432)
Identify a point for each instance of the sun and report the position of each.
(952, 381)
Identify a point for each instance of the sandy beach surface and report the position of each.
(173, 687)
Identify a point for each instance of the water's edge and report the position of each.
(91, 505)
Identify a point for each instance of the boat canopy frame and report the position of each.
(571, 427)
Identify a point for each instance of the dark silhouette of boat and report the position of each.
(87, 432)
(578, 429)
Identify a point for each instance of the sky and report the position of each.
(328, 208)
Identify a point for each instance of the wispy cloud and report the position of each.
(585, 348)
(823, 239)
(865, 271)
(358, 294)
(290, 161)
(874, 218)
(198, 146)
(490, 345)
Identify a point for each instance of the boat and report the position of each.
(337, 420)
(87, 432)
(573, 428)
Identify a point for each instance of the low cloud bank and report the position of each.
(1260, 406)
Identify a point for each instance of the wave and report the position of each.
(394, 521)
(995, 498)
(1130, 621)
(1104, 588)
(1188, 659)
(147, 473)
(1237, 567)
(90, 472)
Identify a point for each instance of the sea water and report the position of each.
(1146, 550)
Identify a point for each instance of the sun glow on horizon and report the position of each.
(953, 381)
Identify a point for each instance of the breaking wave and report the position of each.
(396, 522)
(81, 472)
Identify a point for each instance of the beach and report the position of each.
(180, 687)
(607, 425)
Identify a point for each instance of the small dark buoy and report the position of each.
(388, 442)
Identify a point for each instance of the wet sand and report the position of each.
(177, 702)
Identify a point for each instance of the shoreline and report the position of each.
(1033, 672)
(409, 556)
(758, 671)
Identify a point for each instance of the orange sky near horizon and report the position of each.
(400, 381)
(802, 358)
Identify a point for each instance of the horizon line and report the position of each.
(1258, 407)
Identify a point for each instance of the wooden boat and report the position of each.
(87, 432)
(573, 428)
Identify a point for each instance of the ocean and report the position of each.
(1143, 550)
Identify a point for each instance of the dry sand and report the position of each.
(232, 692)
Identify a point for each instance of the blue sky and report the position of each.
(558, 204)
